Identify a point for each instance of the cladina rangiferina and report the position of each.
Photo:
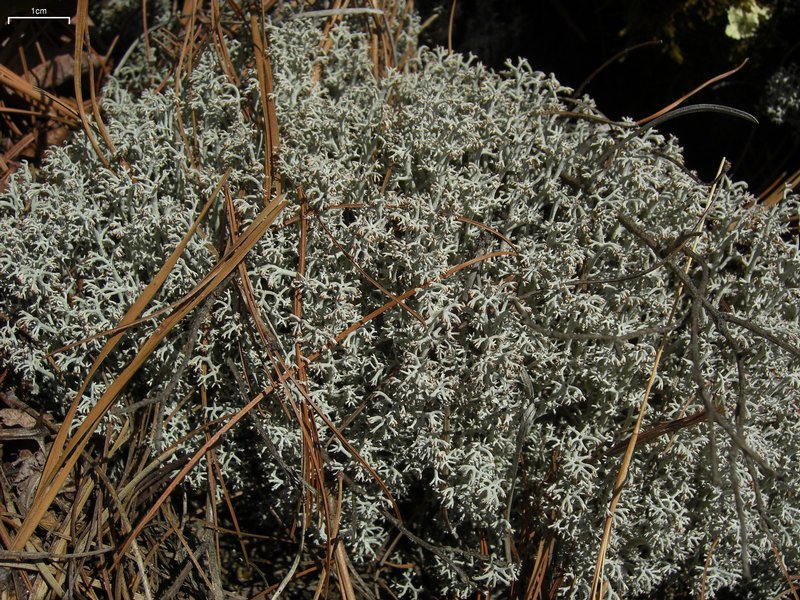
(522, 369)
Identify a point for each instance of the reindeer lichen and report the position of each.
(408, 176)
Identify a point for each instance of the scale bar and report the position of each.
(28, 18)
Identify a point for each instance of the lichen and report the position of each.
(413, 174)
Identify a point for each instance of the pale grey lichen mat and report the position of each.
(548, 342)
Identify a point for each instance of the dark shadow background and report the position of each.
(568, 38)
(572, 39)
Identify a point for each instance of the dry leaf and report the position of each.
(12, 417)
(58, 70)
(29, 471)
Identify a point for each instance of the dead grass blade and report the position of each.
(123, 328)
(397, 299)
(543, 554)
(312, 460)
(54, 580)
(264, 72)
(340, 561)
(237, 531)
(98, 119)
(624, 52)
(212, 466)
(146, 38)
(34, 113)
(598, 584)
(790, 579)
(660, 429)
(210, 442)
(382, 48)
(450, 27)
(680, 100)
(364, 274)
(55, 108)
(123, 516)
(186, 57)
(65, 104)
(776, 191)
(176, 529)
(130, 316)
(266, 593)
(63, 455)
(706, 566)
(236, 417)
(325, 42)
(81, 36)
(219, 274)
(491, 230)
(222, 47)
